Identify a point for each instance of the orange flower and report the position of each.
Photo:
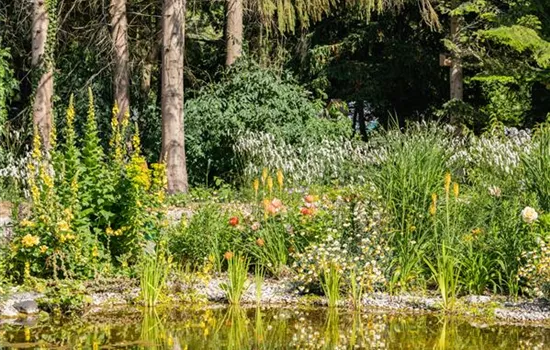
(306, 211)
(260, 242)
(228, 255)
(271, 209)
(309, 198)
(234, 221)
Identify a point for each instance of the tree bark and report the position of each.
(173, 136)
(234, 31)
(119, 27)
(456, 75)
(42, 106)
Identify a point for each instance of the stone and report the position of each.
(478, 299)
(8, 311)
(27, 307)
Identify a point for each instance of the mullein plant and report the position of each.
(88, 208)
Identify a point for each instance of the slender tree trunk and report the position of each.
(361, 119)
(119, 27)
(42, 107)
(173, 137)
(456, 76)
(234, 31)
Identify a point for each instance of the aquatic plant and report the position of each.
(237, 270)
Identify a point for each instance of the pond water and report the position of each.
(275, 328)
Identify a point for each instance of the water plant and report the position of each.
(154, 270)
(237, 270)
(331, 283)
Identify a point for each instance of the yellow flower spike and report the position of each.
(36, 145)
(456, 189)
(270, 184)
(433, 206)
(256, 186)
(447, 183)
(27, 334)
(95, 345)
(264, 175)
(95, 252)
(280, 179)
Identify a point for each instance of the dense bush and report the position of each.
(249, 98)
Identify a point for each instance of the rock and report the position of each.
(478, 299)
(27, 307)
(8, 311)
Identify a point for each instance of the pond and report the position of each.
(269, 328)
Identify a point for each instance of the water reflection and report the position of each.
(257, 328)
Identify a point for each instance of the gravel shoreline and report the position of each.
(21, 307)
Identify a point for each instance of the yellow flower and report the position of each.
(27, 223)
(433, 206)
(30, 241)
(280, 178)
(456, 189)
(109, 231)
(63, 226)
(270, 184)
(256, 185)
(264, 175)
(447, 182)
(43, 249)
(27, 269)
(95, 252)
(27, 334)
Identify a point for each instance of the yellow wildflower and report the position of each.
(456, 189)
(95, 252)
(447, 182)
(27, 223)
(433, 206)
(30, 241)
(270, 184)
(264, 175)
(43, 249)
(27, 334)
(256, 185)
(63, 226)
(280, 178)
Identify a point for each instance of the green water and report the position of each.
(236, 328)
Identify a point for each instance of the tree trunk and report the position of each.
(119, 27)
(173, 137)
(234, 31)
(42, 107)
(456, 76)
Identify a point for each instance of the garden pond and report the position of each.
(267, 328)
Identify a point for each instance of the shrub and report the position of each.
(249, 98)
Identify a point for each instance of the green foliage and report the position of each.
(249, 98)
(410, 173)
(8, 85)
(537, 166)
(65, 298)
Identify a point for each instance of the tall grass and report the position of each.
(537, 166)
(153, 273)
(237, 268)
(331, 284)
(272, 253)
(412, 165)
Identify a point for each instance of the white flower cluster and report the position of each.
(492, 155)
(14, 170)
(360, 248)
(305, 163)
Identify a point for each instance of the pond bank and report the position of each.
(16, 306)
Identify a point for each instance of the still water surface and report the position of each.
(271, 328)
